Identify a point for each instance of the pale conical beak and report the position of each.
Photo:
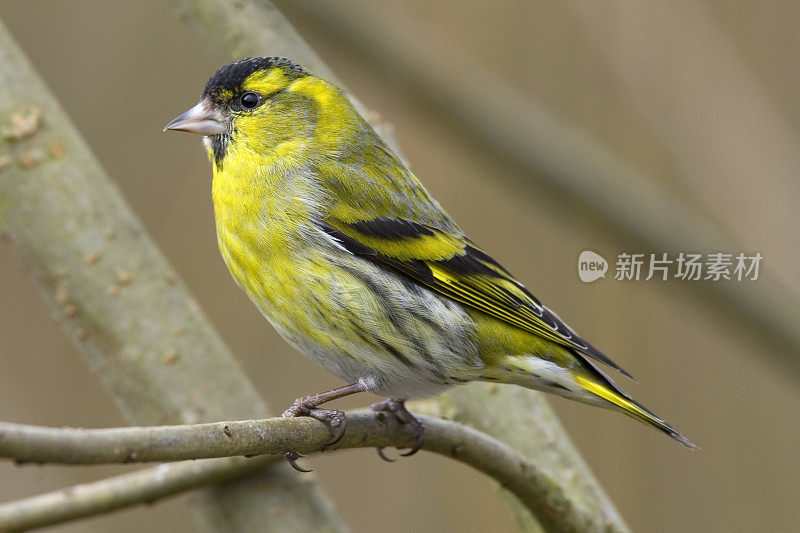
(204, 118)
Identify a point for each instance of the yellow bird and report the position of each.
(358, 267)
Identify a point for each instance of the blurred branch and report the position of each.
(117, 298)
(524, 420)
(245, 28)
(554, 153)
(145, 486)
(237, 29)
(556, 509)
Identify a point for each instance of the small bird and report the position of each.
(357, 266)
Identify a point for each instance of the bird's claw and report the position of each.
(292, 458)
(417, 446)
(398, 409)
(382, 455)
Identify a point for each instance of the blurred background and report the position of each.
(698, 100)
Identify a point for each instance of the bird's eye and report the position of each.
(250, 100)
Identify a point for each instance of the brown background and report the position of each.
(700, 96)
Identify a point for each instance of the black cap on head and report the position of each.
(231, 76)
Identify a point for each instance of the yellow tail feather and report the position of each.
(632, 409)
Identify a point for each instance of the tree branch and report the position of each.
(540, 493)
(118, 299)
(528, 424)
(144, 486)
(147, 444)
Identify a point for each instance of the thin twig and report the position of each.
(543, 496)
(144, 486)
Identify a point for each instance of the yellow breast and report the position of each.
(259, 211)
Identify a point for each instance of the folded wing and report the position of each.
(447, 262)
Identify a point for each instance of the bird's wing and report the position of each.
(449, 263)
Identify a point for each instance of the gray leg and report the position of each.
(308, 406)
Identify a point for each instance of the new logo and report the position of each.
(591, 266)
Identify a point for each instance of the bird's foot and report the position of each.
(398, 409)
(333, 418)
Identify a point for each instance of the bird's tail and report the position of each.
(585, 383)
(630, 407)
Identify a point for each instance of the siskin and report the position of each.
(358, 267)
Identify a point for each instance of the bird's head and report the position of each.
(257, 104)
